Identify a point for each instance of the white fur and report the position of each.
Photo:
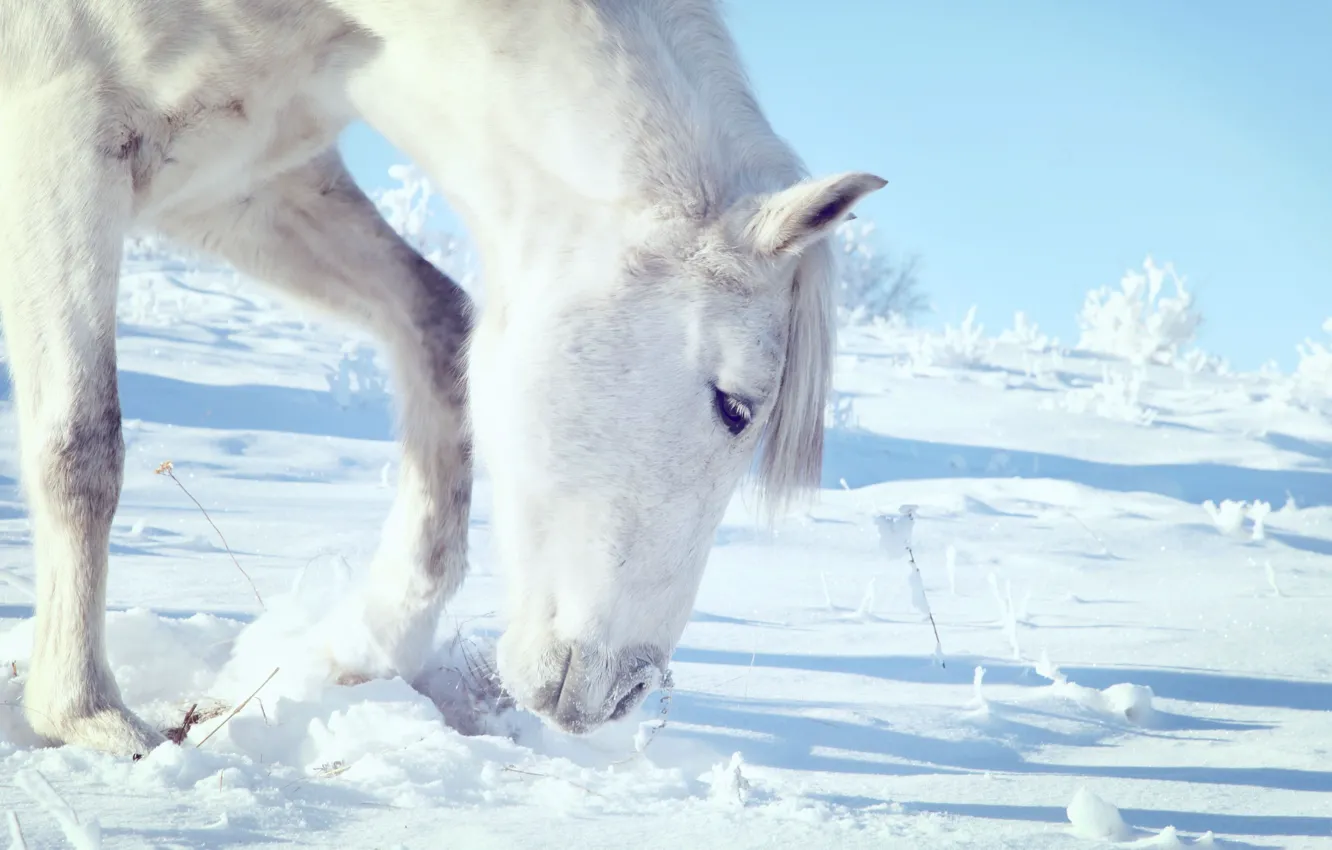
(644, 234)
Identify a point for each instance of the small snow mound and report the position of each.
(1096, 819)
(1166, 838)
(1134, 702)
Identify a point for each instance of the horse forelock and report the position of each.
(791, 457)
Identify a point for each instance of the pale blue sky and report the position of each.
(1038, 148)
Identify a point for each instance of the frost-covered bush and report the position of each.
(1311, 385)
(410, 208)
(1118, 396)
(1136, 322)
(1027, 335)
(357, 378)
(958, 347)
(1195, 361)
(1228, 517)
(869, 286)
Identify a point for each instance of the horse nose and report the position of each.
(634, 695)
(593, 692)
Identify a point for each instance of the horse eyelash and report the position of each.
(741, 407)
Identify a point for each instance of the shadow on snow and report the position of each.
(863, 458)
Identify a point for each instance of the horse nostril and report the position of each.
(629, 701)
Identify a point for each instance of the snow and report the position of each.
(1094, 818)
(1190, 702)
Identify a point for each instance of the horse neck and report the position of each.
(554, 148)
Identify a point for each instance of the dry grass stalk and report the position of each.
(509, 768)
(166, 468)
(334, 768)
(237, 709)
(938, 645)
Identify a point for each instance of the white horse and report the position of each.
(658, 300)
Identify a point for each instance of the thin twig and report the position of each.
(166, 468)
(929, 612)
(1105, 550)
(237, 709)
(508, 768)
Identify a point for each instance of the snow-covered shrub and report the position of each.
(842, 408)
(1228, 517)
(1027, 335)
(357, 378)
(870, 287)
(406, 207)
(1118, 396)
(1195, 361)
(1258, 512)
(410, 208)
(1311, 385)
(1136, 322)
(956, 347)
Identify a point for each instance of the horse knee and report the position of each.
(442, 313)
(79, 466)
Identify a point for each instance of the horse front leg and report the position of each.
(422, 555)
(67, 194)
(314, 234)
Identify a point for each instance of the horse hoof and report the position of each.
(113, 729)
(349, 679)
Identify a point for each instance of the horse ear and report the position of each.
(789, 220)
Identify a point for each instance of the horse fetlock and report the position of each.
(372, 638)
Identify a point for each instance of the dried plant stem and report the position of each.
(166, 468)
(508, 768)
(237, 709)
(938, 644)
(1105, 550)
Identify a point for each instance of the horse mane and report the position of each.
(746, 156)
(791, 456)
(709, 146)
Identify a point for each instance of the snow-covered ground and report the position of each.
(1108, 639)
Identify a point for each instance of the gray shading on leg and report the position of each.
(313, 233)
(68, 196)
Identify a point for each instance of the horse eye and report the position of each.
(734, 414)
